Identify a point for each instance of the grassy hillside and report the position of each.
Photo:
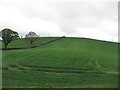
(25, 42)
(68, 62)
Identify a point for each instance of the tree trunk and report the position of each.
(6, 44)
(31, 42)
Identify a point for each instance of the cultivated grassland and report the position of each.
(67, 62)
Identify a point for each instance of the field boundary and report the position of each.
(47, 42)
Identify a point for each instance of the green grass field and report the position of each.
(68, 63)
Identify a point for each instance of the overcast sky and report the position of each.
(97, 20)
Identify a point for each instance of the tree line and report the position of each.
(9, 35)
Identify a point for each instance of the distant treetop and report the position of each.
(31, 35)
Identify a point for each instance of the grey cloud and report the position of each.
(66, 17)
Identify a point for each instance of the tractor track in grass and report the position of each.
(49, 69)
(105, 70)
(58, 70)
(100, 69)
